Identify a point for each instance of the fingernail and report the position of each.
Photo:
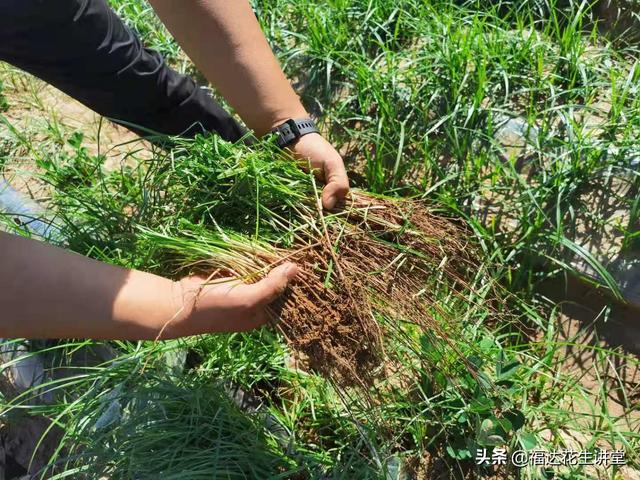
(291, 271)
(330, 203)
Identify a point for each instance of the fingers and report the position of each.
(268, 290)
(274, 284)
(337, 185)
(328, 163)
(230, 305)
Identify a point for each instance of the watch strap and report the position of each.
(293, 129)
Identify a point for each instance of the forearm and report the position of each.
(51, 293)
(223, 38)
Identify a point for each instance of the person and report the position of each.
(83, 48)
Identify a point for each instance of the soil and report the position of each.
(339, 336)
(589, 319)
(37, 110)
(434, 466)
(619, 17)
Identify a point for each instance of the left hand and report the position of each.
(329, 165)
(226, 305)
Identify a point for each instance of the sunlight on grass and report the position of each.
(501, 115)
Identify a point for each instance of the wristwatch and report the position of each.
(292, 130)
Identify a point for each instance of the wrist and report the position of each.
(292, 130)
(182, 300)
(281, 116)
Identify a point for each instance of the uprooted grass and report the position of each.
(369, 298)
(376, 257)
(456, 374)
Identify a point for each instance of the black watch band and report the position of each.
(293, 129)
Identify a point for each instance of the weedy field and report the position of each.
(495, 147)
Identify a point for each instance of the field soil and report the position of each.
(40, 112)
(590, 321)
(33, 105)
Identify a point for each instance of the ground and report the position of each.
(35, 104)
(597, 338)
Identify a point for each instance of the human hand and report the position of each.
(328, 163)
(228, 305)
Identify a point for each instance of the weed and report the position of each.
(503, 114)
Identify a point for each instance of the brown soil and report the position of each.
(36, 110)
(619, 17)
(428, 467)
(438, 466)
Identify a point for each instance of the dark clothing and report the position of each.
(83, 48)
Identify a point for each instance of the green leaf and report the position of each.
(527, 440)
(487, 436)
(506, 369)
(503, 426)
(598, 267)
(459, 449)
(516, 417)
(481, 404)
(483, 380)
(486, 344)
(475, 361)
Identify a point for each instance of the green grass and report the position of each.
(415, 94)
(419, 90)
(162, 214)
(3, 100)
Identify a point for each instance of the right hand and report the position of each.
(328, 163)
(228, 305)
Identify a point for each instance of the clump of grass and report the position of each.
(120, 431)
(386, 286)
(419, 91)
(377, 257)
